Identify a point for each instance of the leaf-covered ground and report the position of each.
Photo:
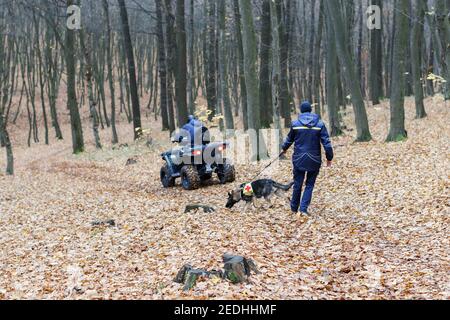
(379, 230)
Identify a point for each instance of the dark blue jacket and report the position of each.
(308, 133)
(198, 133)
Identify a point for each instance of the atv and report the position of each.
(196, 164)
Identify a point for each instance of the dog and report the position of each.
(248, 192)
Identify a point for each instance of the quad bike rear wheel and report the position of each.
(226, 173)
(166, 179)
(190, 179)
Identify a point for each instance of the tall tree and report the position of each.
(5, 78)
(276, 71)
(240, 49)
(376, 60)
(443, 27)
(75, 120)
(332, 80)
(334, 11)
(285, 98)
(131, 70)
(181, 70)
(264, 71)
(109, 59)
(211, 80)
(92, 103)
(312, 34)
(317, 83)
(41, 76)
(191, 45)
(223, 68)
(162, 66)
(251, 79)
(171, 60)
(397, 130)
(417, 35)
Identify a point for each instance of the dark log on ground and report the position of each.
(181, 275)
(189, 276)
(192, 277)
(106, 223)
(237, 268)
(193, 207)
(131, 161)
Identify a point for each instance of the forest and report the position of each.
(91, 92)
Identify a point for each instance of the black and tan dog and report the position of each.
(248, 192)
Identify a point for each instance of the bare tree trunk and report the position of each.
(251, 79)
(276, 71)
(243, 86)
(181, 70)
(75, 120)
(223, 69)
(211, 81)
(416, 57)
(332, 81)
(162, 66)
(264, 71)
(443, 28)
(376, 60)
(92, 104)
(115, 138)
(284, 57)
(131, 71)
(317, 62)
(397, 130)
(345, 57)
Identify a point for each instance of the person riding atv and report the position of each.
(197, 158)
(194, 131)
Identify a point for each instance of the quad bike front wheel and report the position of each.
(190, 179)
(166, 179)
(226, 173)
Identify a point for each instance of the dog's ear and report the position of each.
(229, 194)
(237, 195)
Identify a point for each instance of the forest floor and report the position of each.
(379, 227)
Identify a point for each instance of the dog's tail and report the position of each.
(282, 186)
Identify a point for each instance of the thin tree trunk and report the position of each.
(284, 50)
(211, 81)
(115, 138)
(332, 81)
(240, 49)
(416, 57)
(181, 70)
(264, 72)
(276, 71)
(162, 67)
(131, 71)
(376, 60)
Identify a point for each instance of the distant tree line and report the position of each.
(252, 61)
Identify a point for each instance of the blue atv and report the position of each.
(195, 165)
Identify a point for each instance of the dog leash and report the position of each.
(266, 167)
(279, 156)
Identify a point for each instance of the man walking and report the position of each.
(308, 133)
